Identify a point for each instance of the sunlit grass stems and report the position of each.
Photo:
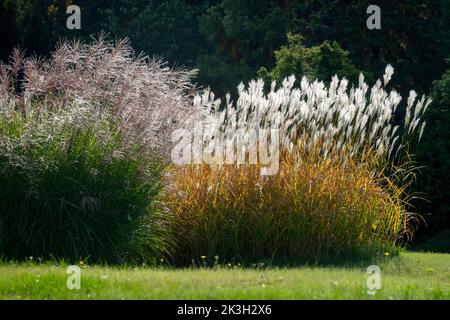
(316, 210)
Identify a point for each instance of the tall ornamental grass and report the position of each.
(342, 187)
(68, 192)
(81, 145)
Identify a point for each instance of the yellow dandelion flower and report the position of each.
(386, 254)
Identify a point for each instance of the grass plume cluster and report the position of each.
(84, 140)
(354, 121)
(342, 184)
(146, 98)
(81, 135)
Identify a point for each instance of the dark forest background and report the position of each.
(230, 41)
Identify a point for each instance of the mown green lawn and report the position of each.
(409, 276)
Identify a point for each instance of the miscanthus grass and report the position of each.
(350, 121)
(81, 144)
(343, 182)
(85, 134)
(146, 97)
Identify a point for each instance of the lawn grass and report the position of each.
(408, 276)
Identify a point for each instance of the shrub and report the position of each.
(317, 62)
(434, 154)
(342, 184)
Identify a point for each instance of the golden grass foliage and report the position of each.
(315, 208)
(343, 179)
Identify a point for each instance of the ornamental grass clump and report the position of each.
(341, 189)
(146, 97)
(81, 145)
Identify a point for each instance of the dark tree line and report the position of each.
(230, 41)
